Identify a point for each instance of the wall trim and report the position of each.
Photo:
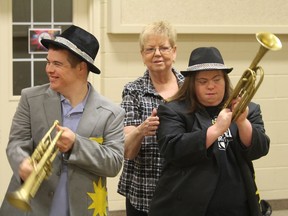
(239, 17)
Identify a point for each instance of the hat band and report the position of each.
(74, 48)
(206, 66)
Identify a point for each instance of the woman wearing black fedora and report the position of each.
(91, 144)
(208, 167)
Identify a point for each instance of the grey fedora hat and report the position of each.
(206, 58)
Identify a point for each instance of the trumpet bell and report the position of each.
(246, 86)
(42, 159)
(20, 200)
(269, 41)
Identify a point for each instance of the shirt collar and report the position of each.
(80, 106)
(149, 88)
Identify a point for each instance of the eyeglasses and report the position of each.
(162, 50)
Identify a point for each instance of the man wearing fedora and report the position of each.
(92, 140)
(208, 168)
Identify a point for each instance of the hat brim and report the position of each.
(47, 42)
(206, 67)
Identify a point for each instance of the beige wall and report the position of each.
(120, 62)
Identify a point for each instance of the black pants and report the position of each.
(132, 211)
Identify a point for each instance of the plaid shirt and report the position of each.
(140, 175)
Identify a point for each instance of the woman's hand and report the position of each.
(223, 121)
(150, 125)
(243, 116)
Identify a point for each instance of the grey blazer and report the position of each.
(97, 152)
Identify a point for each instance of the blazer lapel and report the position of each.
(52, 107)
(88, 122)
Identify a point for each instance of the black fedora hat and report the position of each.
(205, 58)
(79, 42)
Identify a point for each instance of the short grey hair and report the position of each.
(162, 28)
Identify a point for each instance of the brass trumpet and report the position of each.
(41, 159)
(247, 86)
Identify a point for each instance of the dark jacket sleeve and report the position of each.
(176, 137)
(178, 127)
(260, 141)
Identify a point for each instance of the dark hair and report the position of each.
(73, 59)
(187, 92)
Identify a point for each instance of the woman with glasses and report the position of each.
(140, 99)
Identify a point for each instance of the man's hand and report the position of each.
(67, 139)
(25, 169)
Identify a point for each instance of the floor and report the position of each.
(274, 213)
(279, 208)
(280, 213)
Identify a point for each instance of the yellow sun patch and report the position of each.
(97, 139)
(99, 199)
